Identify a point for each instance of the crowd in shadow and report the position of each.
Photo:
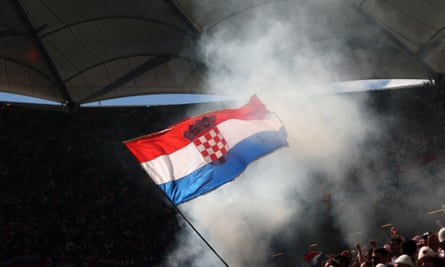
(70, 188)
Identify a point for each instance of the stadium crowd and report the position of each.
(69, 187)
(423, 250)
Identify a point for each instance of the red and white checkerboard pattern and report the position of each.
(211, 145)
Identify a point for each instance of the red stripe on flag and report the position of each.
(151, 146)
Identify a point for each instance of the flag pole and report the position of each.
(199, 234)
(191, 225)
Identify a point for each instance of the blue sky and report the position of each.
(172, 99)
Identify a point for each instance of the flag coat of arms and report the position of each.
(201, 153)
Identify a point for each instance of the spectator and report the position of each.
(429, 258)
(395, 247)
(380, 255)
(409, 247)
(433, 242)
(404, 261)
(441, 239)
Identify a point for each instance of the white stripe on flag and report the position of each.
(235, 131)
(188, 159)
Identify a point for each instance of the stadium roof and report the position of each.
(79, 51)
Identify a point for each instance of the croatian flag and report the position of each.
(202, 153)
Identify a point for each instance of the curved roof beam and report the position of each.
(149, 64)
(110, 18)
(127, 57)
(188, 21)
(11, 32)
(28, 67)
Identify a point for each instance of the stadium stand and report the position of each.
(72, 194)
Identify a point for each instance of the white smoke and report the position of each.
(274, 56)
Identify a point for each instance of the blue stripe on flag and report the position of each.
(212, 176)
